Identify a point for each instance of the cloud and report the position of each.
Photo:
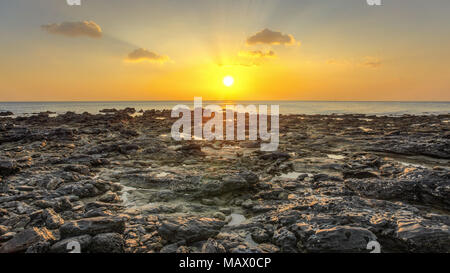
(142, 55)
(372, 62)
(257, 54)
(267, 36)
(75, 29)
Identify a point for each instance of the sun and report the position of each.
(228, 81)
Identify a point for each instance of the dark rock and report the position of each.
(39, 247)
(8, 167)
(285, 239)
(275, 156)
(212, 246)
(52, 219)
(424, 238)
(63, 246)
(6, 113)
(190, 229)
(23, 240)
(107, 243)
(93, 226)
(340, 239)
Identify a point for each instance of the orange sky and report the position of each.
(175, 50)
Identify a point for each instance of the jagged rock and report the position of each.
(190, 229)
(212, 246)
(63, 246)
(23, 240)
(107, 243)
(52, 219)
(285, 239)
(8, 167)
(340, 239)
(93, 226)
(421, 237)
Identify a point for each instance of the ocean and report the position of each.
(286, 107)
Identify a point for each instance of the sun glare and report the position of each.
(228, 81)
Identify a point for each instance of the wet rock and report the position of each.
(110, 197)
(212, 246)
(82, 169)
(275, 156)
(3, 230)
(190, 229)
(8, 167)
(418, 186)
(6, 113)
(39, 247)
(421, 237)
(23, 240)
(172, 248)
(219, 215)
(52, 219)
(231, 183)
(285, 239)
(340, 239)
(93, 226)
(191, 149)
(107, 243)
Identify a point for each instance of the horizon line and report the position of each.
(228, 100)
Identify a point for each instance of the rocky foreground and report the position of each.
(117, 182)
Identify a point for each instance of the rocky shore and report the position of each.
(117, 182)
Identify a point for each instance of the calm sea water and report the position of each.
(286, 107)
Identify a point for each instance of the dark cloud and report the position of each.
(75, 29)
(142, 54)
(269, 37)
(257, 54)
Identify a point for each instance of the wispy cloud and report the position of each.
(144, 55)
(257, 54)
(269, 37)
(75, 29)
(372, 62)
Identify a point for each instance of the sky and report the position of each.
(108, 50)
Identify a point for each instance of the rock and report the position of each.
(93, 226)
(231, 183)
(6, 113)
(39, 247)
(418, 186)
(191, 149)
(107, 243)
(3, 230)
(219, 215)
(275, 156)
(110, 197)
(261, 235)
(82, 169)
(113, 110)
(63, 246)
(52, 219)
(424, 238)
(340, 239)
(285, 239)
(212, 246)
(8, 167)
(23, 240)
(172, 248)
(359, 174)
(190, 229)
